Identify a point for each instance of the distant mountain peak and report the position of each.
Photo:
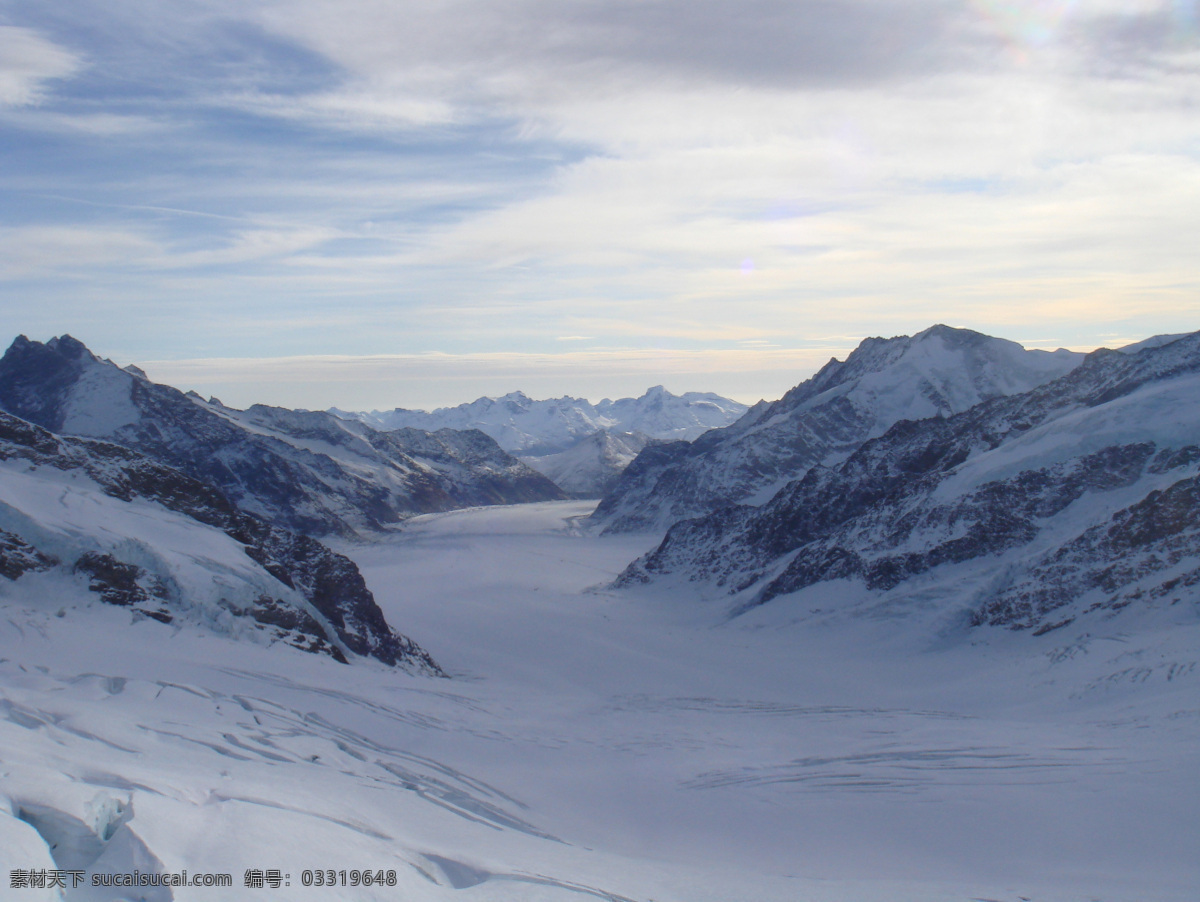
(68, 347)
(523, 425)
(941, 330)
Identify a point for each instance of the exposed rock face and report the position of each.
(1147, 551)
(18, 557)
(125, 584)
(321, 603)
(1077, 495)
(939, 372)
(307, 471)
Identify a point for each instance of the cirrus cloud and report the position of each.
(27, 62)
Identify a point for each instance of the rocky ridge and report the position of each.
(939, 372)
(1079, 495)
(309, 472)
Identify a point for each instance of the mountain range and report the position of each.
(1028, 487)
(185, 511)
(1027, 510)
(822, 421)
(582, 447)
(937, 609)
(521, 425)
(307, 471)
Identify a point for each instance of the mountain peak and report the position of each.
(935, 373)
(942, 330)
(993, 487)
(69, 347)
(953, 335)
(38, 381)
(63, 348)
(543, 427)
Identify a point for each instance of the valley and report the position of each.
(924, 629)
(641, 451)
(590, 743)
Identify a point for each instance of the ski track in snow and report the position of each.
(627, 746)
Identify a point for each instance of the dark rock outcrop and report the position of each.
(18, 557)
(124, 584)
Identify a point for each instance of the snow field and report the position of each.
(593, 744)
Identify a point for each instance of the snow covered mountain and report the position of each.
(309, 472)
(939, 372)
(592, 466)
(83, 519)
(627, 744)
(1026, 511)
(539, 428)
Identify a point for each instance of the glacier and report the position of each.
(613, 745)
(953, 656)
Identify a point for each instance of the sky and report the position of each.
(380, 203)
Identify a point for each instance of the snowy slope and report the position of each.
(659, 414)
(420, 471)
(591, 467)
(1074, 500)
(83, 520)
(623, 746)
(308, 471)
(938, 372)
(539, 428)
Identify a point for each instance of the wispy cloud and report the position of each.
(472, 177)
(27, 61)
(382, 381)
(64, 248)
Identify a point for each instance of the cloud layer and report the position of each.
(471, 177)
